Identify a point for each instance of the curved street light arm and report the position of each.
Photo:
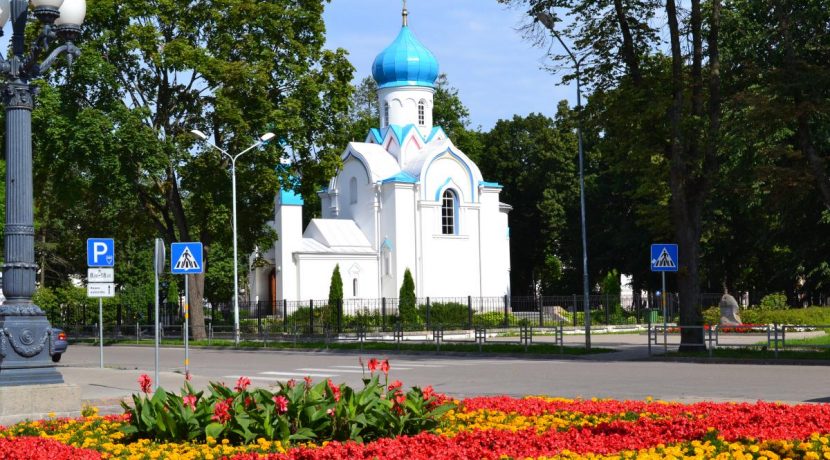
(257, 144)
(69, 48)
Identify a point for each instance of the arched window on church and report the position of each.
(448, 213)
(354, 287)
(386, 113)
(353, 190)
(422, 112)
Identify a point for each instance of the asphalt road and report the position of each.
(460, 375)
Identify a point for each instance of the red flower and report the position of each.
(242, 384)
(249, 401)
(373, 365)
(221, 411)
(291, 384)
(282, 404)
(330, 412)
(190, 401)
(395, 385)
(384, 366)
(146, 383)
(335, 390)
(428, 392)
(400, 398)
(307, 382)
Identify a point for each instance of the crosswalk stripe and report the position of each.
(346, 371)
(270, 379)
(301, 374)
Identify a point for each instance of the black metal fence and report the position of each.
(315, 316)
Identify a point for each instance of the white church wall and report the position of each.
(404, 234)
(388, 230)
(315, 275)
(450, 262)
(495, 250)
(289, 224)
(358, 204)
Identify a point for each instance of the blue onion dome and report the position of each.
(406, 62)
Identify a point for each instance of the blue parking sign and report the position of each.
(664, 257)
(186, 258)
(100, 252)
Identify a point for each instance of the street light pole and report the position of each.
(262, 140)
(547, 19)
(26, 342)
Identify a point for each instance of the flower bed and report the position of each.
(475, 428)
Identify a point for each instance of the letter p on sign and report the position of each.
(100, 252)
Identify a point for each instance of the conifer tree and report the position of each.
(406, 300)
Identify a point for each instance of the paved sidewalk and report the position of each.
(106, 388)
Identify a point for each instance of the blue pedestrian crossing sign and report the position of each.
(663, 257)
(186, 258)
(100, 252)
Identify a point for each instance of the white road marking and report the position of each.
(270, 379)
(314, 369)
(301, 374)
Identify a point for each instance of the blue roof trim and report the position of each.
(386, 244)
(435, 131)
(401, 177)
(289, 198)
(490, 184)
(375, 132)
(401, 131)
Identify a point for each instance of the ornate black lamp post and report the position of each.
(25, 333)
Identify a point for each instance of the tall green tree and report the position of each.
(406, 300)
(152, 71)
(535, 163)
(335, 286)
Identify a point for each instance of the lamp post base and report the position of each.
(26, 347)
(37, 402)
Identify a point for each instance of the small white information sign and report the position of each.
(100, 290)
(100, 275)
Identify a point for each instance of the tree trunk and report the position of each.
(629, 53)
(196, 296)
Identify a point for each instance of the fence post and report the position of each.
(607, 308)
(469, 312)
(574, 310)
(285, 315)
(383, 313)
(506, 318)
(259, 318)
(339, 316)
(539, 305)
(429, 324)
(311, 316)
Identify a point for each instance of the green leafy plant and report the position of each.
(294, 412)
(777, 301)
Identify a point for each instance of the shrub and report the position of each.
(336, 286)
(446, 314)
(494, 319)
(776, 301)
(295, 412)
(406, 300)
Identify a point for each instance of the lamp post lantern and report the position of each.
(262, 140)
(547, 19)
(26, 341)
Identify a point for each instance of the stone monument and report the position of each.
(729, 311)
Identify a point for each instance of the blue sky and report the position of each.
(497, 72)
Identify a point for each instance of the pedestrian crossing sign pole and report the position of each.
(186, 259)
(664, 259)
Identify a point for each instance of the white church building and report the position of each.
(406, 197)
